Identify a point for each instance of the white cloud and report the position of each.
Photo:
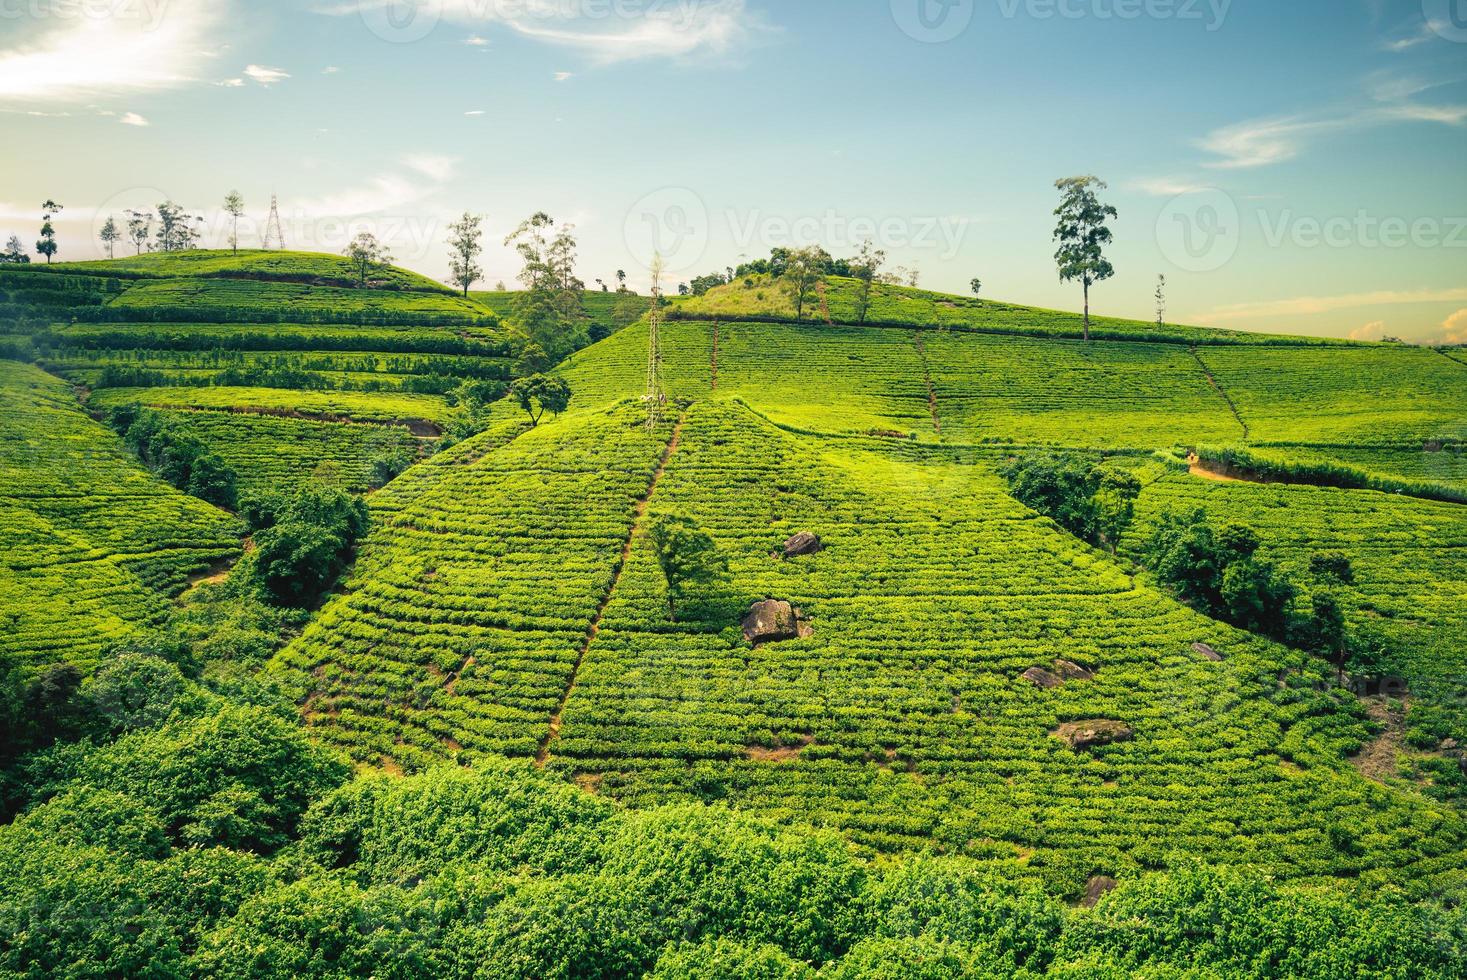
(1454, 328)
(231, 83)
(330, 70)
(564, 76)
(266, 75)
(436, 167)
(474, 112)
(1371, 331)
(72, 56)
(1308, 305)
(388, 191)
(1166, 186)
(1262, 142)
(133, 119)
(476, 41)
(674, 30)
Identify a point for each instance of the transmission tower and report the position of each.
(656, 396)
(272, 227)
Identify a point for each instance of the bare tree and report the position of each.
(234, 206)
(110, 236)
(139, 228)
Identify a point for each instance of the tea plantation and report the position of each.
(504, 743)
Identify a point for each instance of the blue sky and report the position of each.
(1294, 166)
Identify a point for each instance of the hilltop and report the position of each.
(973, 685)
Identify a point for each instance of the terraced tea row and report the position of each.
(93, 543)
(468, 608)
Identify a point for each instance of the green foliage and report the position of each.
(539, 394)
(133, 691)
(176, 456)
(688, 557)
(303, 540)
(728, 959)
(239, 778)
(1083, 235)
(1094, 502)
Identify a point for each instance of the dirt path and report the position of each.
(1218, 388)
(1377, 760)
(638, 514)
(927, 378)
(1199, 469)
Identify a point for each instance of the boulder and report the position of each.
(1206, 652)
(803, 543)
(1041, 678)
(1095, 888)
(1092, 733)
(1071, 671)
(774, 620)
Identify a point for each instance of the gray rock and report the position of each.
(1095, 888)
(1041, 678)
(803, 543)
(1206, 652)
(1092, 733)
(774, 620)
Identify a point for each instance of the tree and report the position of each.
(1115, 503)
(549, 311)
(302, 541)
(367, 254)
(176, 231)
(532, 360)
(110, 235)
(139, 228)
(234, 206)
(1160, 300)
(466, 244)
(47, 244)
(802, 274)
(539, 394)
(976, 285)
(621, 280)
(866, 269)
(1060, 487)
(15, 252)
(687, 556)
(1082, 235)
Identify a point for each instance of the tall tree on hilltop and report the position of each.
(1160, 301)
(1082, 235)
(866, 268)
(367, 254)
(47, 244)
(110, 235)
(549, 311)
(804, 270)
(234, 206)
(139, 228)
(465, 245)
(15, 252)
(176, 231)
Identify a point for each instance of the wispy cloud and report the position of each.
(474, 112)
(673, 30)
(266, 75)
(71, 55)
(564, 76)
(425, 175)
(1166, 186)
(1309, 305)
(231, 83)
(133, 119)
(1371, 331)
(475, 41)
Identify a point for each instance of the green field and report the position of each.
(504, 625)
(86, 529)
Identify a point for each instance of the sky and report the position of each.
(1293, 166)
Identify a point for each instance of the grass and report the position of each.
(358, 406)
(249, 263)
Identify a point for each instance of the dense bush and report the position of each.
(303, 540)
